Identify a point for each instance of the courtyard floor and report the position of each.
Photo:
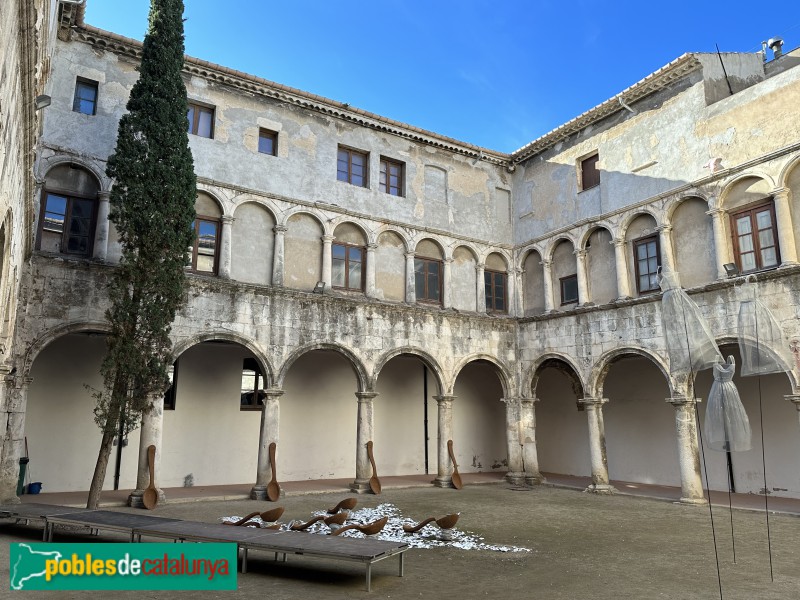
(581, 545)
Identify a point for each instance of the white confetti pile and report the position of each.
(429, 536)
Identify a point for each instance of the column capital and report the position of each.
(273, 393)
(372, 247)
(444, 399)
(678, 401)
(410, 255)
(480, 266)
(280, 229)
(226, 219)
(103, 196)
(781, 191)
(17, 381)
(591, 402)
(546, 262)
(666, 228)
(328, 238)
(794, 399)
(366, 396)
(617, 242)
(581, 254)
(447, 261)
(716, 212)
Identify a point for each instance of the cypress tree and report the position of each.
(152, 208)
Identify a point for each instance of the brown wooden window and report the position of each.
(392, 177)
(646, 257)
(66, 224)
(590, 174)
(85, 100)
(169, 394)
(206, 243)
(351, 166)
(347, 266)
(428, 280)
(495, 290)
(201, 120)
(252, 396)
(268, 142)
(755, 238)
(569, 289)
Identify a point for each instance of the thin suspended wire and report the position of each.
(730, 508)
(763, 453)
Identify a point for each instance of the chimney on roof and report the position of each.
(776, 45)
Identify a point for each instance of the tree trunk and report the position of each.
(100, 471)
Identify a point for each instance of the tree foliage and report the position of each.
(152, 208)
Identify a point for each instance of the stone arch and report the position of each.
(745, 188)
(390, 265)
(463, 277)
(560, 361)
(503, 372)
(301, 210)
(792, 164)
(423, 356)
(554, 243)
(496, 266)
(49, 336)
(674, 203)
(303, 250)
(364, 383)
(625, 224)
(601, 264)
(343, 222)
(602, 366)
(533, 300)
(252, 242)
(398, 232)
(584, 237)
(210, 336)
(103, 181)
(692, 237)
(469, 248)
(420, 244)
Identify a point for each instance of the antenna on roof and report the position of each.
(728, 81)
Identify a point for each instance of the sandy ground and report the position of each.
(582, 546)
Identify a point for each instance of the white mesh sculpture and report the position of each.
(727, 427)
(689, 342)
(761, 343)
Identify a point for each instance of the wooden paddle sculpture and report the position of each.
(456, 478)
(267, 516)
(150, 496)
(445, 522)
(346, 504)
(374, 482)
(273, 489)
(368, 529)
(337, 519)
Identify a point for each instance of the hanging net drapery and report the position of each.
(761, 343)
(689, 342)
(727, 427)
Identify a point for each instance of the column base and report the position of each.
(601, 488)
(443, 482)
(694, 501)
(360, 486)
(259, 492)
(534, 479)
(11, 500)
(135, 498)
(515, 477)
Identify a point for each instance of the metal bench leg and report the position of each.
(244, 560)
(369, 577)
(401, 563)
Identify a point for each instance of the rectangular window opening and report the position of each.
(201, 120)
(755, 237)
(392, 177)
(427, 280)
(495, 283)
(569, 289)
(647, 259)
(268, 142)
(85, 100)
(352, 166)
(589, 173)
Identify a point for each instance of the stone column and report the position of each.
(667, 253)
(149, 434)
(480, 288)
(795, 399)
(623, 285)
(269, 432)
(444, 476)
(530, 454)
(100, 250)
(369, 284)
(583, 287)
(447, 278)
(547, 276)
(411, 294)
(783, 216)
(511, 292)
(364, 433)
(597, 446)
(277, 255)
(688, 452)
(225, 247)
(13, 432)
(720, 245)
(326, 259)
(514, 436)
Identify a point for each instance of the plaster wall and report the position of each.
(564, 265)
(463, 277)
(601, 268)
(533, 280)
(252, 243)
(390, 268)
(303, 253)
(793, 183)
(694, 255)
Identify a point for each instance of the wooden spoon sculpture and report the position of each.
(368, 529)
(337, 519)
(346, 504)
(303, 526)
(456, 478)
(374, 482)
(267, 517)
(273, 489)
(150, 496)
(445, 522)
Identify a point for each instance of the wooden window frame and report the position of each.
(582, 163)
(752, 209)
(347, 248)
(349, 174)
(635, 245)
(426, 299)
(562, 283)
(264, 133)
(195, 122)
(256, 401)
(196, 244)
(385, 177)
(491, 296)
(88, 83)
(170, 393)
(67, 219)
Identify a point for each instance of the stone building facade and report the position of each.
(357, 278)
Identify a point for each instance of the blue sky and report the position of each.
(496, 73)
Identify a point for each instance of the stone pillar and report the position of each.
(514, 436)
(530, 454)
(444, 476)
(583, 287)
(369, 284)
(783, 216)
(447, 278)
(480, 288)
(411, 294)
(795, 399)
(277, 255)
(326, 259)
(511, 292)
(100, 250)
(149, 434)
(270, 426)
(13, 432)
(720, 245)
(688, 451)
(547, 276)
(364, 433)
(623, 285)
(225, 247)
(597, 446)
(667, 253)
